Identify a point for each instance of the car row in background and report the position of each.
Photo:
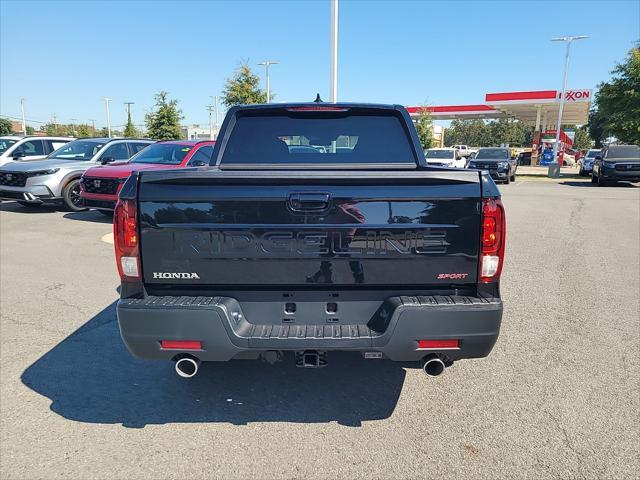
(501, 164)
(56, 179)
(14, 148)
(100, 185)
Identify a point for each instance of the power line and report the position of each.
(20, 118)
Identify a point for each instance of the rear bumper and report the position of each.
(393, 331)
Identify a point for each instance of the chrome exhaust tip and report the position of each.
(433, 366)
(187, 367)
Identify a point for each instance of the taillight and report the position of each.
(319, 108)
(493, 240)
(125, 239)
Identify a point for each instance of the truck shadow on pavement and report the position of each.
(593, 185)
(7, 206)
(91, 377)
(89, 216)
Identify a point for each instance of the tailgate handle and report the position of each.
(308, 201)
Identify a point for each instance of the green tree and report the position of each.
(163, 122)
(424, 127)
(83, 130)
(617, 102)
(596, 127)
(130, 130)
(58, 129)
(5, 126)
(506, 130)
(243, 88)
(582, 139)
(30, 130)
(474, 133)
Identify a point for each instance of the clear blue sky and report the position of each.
(63, 57)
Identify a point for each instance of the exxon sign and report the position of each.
(576, 95)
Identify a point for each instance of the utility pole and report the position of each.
(569, 39)
(93, 123)
(215, 116)
(55, 124)
(24, 123)
(267, 64)
(73, 126)
(128, 104)
(106, 104)
(210, 108)
(333, 96)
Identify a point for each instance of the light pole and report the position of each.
(267, 64)
(106, 104)
(73, 126)
(333, 96)
(215, 114)
(24, 123)
(210, 108)
(552, 171)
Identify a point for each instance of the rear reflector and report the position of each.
(181, 344)
(438, 344)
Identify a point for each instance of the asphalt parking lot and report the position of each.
(558, 397)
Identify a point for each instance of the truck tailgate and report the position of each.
(296, 229)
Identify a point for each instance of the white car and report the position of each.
(444, 157)
(465, 150)
(18, 148)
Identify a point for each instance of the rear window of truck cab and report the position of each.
(309, 137)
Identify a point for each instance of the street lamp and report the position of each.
(333, 87)
(267, 64)
(24, 123)
(210, 108)
(215, 115)
(568, 40)
(106, 104)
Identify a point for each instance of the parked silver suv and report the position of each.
(56, 179)
(27, 148)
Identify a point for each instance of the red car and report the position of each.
(100, 185)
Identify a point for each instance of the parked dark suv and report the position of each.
(617, 163)
(497, 161)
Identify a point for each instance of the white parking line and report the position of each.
(108, 238)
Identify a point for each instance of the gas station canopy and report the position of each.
(537, 108)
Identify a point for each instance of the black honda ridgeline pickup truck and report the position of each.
(317, 228)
